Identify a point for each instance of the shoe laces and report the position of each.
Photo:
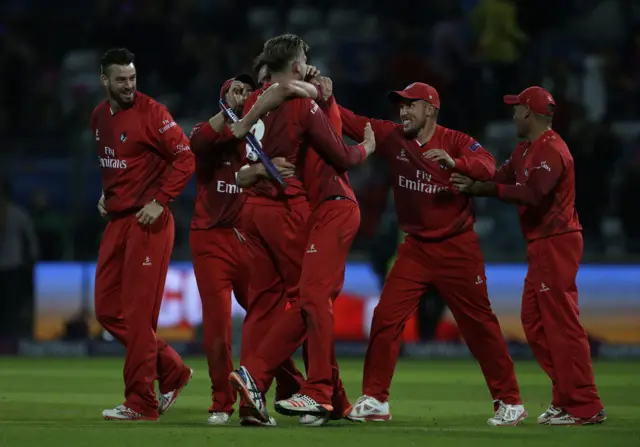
(304, 398)
(505, 412)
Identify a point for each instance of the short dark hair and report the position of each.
(279, 51)
(258, 63)
(116, 56)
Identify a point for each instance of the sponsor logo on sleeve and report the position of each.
(166, 125)
(181, 148)
(474, 146)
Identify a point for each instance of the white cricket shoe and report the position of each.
(549, 414)
(508, 415)
(301, 403)
(369, 408)
(312, 420)
(218, 418)
(250, 421)
(565, 418)
(166, 400)
(242, 381)
(123, 413)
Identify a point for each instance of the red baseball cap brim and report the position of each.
(512, 100)
(399, 96)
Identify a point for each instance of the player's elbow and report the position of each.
(188, 160)
(486, 173)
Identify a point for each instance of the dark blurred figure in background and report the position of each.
(18, 254)
(50, 227)
(630, 189)
(595, 149)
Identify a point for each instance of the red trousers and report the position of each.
(130, 276)
(456, 269)
(331, 231)
(551, 321)
(221, 264)
(275, 233)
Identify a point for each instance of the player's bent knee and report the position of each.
(107, 320)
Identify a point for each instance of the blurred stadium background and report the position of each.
(586, 52)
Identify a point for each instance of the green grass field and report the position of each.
(55, 402)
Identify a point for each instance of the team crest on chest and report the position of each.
(403, 155)
(123, 137)
(526, 172)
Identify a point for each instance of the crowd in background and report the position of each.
(586, 52)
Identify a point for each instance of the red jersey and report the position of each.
(320, 178)
(427, 205)
(540, 178)
(143, 154)
(218, 198)
(295, 124)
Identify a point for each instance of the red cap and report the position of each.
(536, 98)
(244, 78)
(417, 91)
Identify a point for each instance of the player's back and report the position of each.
(280, 136)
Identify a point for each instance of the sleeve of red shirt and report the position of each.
(333, 112)
(203, 137)
(353, 126)
(251, 100)
(547, 168)
(93, 123)
(173, 145)
(504, 174)
(472, 159)
(324, 140)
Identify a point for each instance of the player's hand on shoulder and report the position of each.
(462, 183)
(273, 96)
(325, 84)
(312, 72)
(369, 142)
(285, 168)
(440, 156)
(102, 209)
(149, 213)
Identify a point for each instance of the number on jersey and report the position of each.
(258, 131)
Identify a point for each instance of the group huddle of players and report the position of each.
(282, 249)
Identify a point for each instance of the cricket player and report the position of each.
(333, 212)
(145, 162)
(220, 258)
(285, 132)
(441, 250)
(539, 177)
(220, 253)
